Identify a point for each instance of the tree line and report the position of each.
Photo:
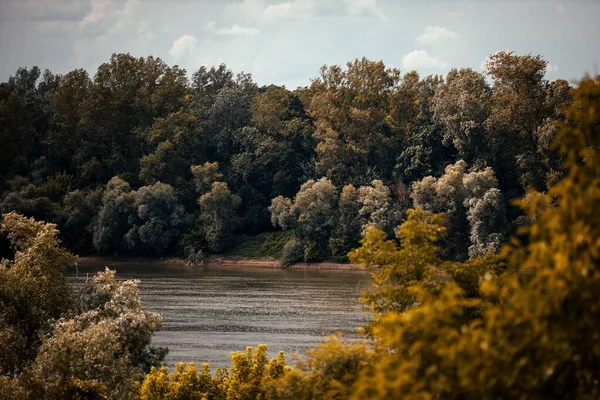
(520, 323)
(140, 159)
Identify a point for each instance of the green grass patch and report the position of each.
(264, 245)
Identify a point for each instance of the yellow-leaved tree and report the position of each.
(536, 333)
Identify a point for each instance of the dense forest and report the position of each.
(142, 160)
(522, 323)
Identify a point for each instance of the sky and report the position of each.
(285, 42)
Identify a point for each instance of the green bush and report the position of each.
(293, 251)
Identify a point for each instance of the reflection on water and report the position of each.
(208, 313)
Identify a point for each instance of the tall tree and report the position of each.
(218, 217)
(523, 101)
(355, 142)
(272, 153)
(462, 105)
(315, 211)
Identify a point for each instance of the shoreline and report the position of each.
(213, 262)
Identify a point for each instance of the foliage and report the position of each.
(347, 230)
(395, 269)
(251, 376)
(105, 298)
(174, 143)
(143, 221)
(535, 332)
(59, 345)
(471, 202)
(293, 252)
(378, 208)
(146, 122)
(111, 225)
(313, 215)
(78, 213)
(328, 372)
(157, 219)
(205, 175)
(272, 151)
(218, 217)
(33, 290)
(98, 352)
(356, 144)
(462, 106)
(520, 325)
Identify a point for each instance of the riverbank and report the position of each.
(212, 262)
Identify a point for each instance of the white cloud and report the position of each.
(297, 9)
(237, 30)
(106, 19)
(259, 10)
(551, 68)
(183, 47)
(100, 8)
(108, 27)
(246, 9)
(281, 10)
(363, 8)
(434, 34)
(418, 59)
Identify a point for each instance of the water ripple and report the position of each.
(207, 314)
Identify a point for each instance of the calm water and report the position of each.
(208, 313)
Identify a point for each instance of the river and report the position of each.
(208, 313)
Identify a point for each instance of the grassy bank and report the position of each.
(233, 262)
(267, 245)
(252, 252)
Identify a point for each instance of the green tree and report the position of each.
(78, 213)
(313, 214)
(462, 105)
(206, 84)
(218, 218)
(25, 121)
(272, 153)
(174, 143)
(68, 102)
(230, 112)
(205, 176)
(472, 204)
(58, 345)
(111, 224)
(126, 96)
(157, 219)
(378, 207)
(524, 106)
(347, 231)
(395, 270)
(423, 150)
(355, 142)
(283, 213)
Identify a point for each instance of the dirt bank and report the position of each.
(212, 262)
